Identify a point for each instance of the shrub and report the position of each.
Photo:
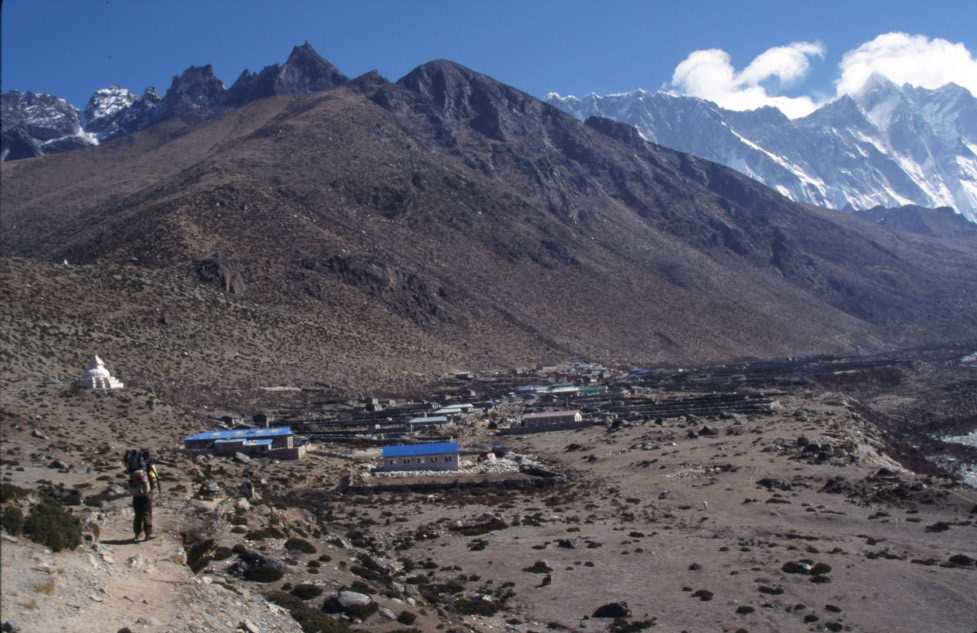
(305, 591)
(12, 520)
(406, 617)
(311, 620)
(268, 532)
(475, 606)
(10, 492)
(301, 545)
(51, 524)
(223, 553)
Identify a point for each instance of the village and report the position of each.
(573, 496)
(462, 432)
(460, 438)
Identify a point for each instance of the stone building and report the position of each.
(430, 456)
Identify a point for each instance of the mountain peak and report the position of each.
(304, 71)
(463, 95)
(194, 93)
(887, 144)
(105, 102)
(307, 71)
(877, 89)
(303, 51)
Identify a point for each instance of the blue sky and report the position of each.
(72, 47)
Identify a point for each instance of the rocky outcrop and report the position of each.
(305, 71)
(35, 124)
(911, 218)
(113, 112)
(38, 124)
(196, 93)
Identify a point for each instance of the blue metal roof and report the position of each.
(416, 450)
(241, 434)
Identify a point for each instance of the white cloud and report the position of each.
(709, 74)
(900, 57)
(913, 59)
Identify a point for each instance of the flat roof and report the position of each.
(550, 414)
(241, 434)
(433, 419)
(450, 410)
(415, 450)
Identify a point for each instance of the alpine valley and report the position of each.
(431, 355)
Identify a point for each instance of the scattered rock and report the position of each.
(539, 567)
(613, 610)
(209, 489)
(774, 484)
(794, 567)
(249, 626)
(961, 560)
(353, 599)
(703, 594)
(257, 568)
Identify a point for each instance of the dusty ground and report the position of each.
(690, 522)
(117, 583)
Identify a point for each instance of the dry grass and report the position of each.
(46, 587)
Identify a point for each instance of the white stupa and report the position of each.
(97, 376)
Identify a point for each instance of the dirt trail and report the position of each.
(118, 583)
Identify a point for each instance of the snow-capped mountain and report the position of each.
(886, 145)
(37, 123)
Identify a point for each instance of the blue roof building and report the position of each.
(278, 442)
(240, 434)
(416, 457)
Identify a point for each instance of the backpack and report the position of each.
(134, 461)
(139, 483)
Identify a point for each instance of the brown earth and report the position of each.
(448, 219)
(692, 530)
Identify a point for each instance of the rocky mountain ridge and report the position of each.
(886, 145)
(37, 124)
(469, 224)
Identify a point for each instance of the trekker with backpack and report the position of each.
(141, 488)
